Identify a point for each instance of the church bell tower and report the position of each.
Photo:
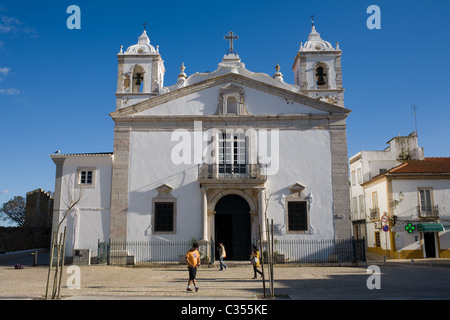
(317, 69)
(140, 73)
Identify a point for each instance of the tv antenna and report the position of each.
(415, 116)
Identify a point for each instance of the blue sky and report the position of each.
(57, 85)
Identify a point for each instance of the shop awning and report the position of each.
(430, 227)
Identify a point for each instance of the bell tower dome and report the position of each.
(140, 73)
(317, 69)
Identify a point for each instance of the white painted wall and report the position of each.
(150, 167)
(90, 219)
(261, 103)
(307, 153)
(206, 101)
(406, 211)
(304, 152)
(381, 190)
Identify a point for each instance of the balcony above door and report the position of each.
(250, 174)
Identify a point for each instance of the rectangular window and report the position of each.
(359, 174)
(232, 153)
(374, 211)
(375, 200)
(355, 205)
(85, 177)
(297, 216)
(164, 214)
(361, 205)
(425, 201)
(377, 239)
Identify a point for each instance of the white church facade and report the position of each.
(215, 154)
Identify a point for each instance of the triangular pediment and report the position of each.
(296, 187)
(194, 91)
(164, 188)
(164, 191)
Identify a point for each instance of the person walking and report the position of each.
(193, 262)
(254, 258)
(222, 255)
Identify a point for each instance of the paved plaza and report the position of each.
(398, 279)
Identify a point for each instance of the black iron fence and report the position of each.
(140, 252)
(318, 251)
(285, 251)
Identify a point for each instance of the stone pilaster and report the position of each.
(338, 69)
(339, 171)
(119, 188)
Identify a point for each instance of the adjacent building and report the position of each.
(365, 165)
(400, 200)
(414, 198)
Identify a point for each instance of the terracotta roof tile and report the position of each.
(428, 165)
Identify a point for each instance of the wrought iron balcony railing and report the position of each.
(231, 172)
(428, 211)
(374, 214)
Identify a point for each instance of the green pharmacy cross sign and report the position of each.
(410, 228)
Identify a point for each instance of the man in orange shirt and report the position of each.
(193, 262)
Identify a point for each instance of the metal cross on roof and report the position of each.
(230, 37)
(312, 19)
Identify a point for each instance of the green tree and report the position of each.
(14, 210)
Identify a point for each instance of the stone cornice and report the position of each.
(281, 122)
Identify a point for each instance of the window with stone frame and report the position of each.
(164, 211)
(85, 177)
(297, 207)
(231, 100)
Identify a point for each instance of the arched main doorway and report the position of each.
(232, 226)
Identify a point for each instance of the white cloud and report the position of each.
(10, 91)
(5, 70)
(4, 191)
(4, 73)
(11, 25)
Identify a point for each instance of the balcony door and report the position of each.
(426, 202)
(232, 153)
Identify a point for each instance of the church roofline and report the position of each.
(59, 158)
(97, 154)
(82, 154)
(223, 79)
